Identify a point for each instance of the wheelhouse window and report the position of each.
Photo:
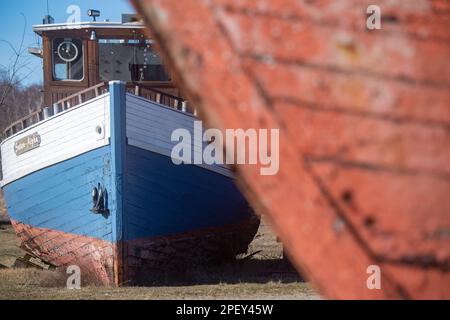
(130, 60)
(68, 59)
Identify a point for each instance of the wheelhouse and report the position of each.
(79, 59)
(82, 55)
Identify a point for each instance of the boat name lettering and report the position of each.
(27, 143)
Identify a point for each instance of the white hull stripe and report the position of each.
(150, 126)
(74, 132)
(63, 136)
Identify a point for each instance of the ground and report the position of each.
(3, 214)
(262, 276)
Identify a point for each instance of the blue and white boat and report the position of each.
(88, 179)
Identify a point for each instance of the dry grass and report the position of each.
(35, 284)
(9, 246)
(3, 214)
(260, 277)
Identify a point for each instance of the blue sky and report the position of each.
(12, 24)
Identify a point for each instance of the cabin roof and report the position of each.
(39, 29)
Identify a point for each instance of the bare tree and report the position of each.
(15, 100)
(10, 74)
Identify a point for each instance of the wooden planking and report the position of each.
(150, 125)
(368, 140)
(63, 136)
(360, 206)
(353, 93)
(213, 59)
(66, 176)
(59, 197)
(403, 59)
(93, 256)
(164, 199)
(419, 18)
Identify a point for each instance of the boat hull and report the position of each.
(94, 257)
(155, 215)
(138, 261)
(363, 118)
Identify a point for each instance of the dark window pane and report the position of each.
(67, 59)
(130, 60)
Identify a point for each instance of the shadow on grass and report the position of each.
(233, 272)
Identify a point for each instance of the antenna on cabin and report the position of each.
(93, 13)
(48, 19)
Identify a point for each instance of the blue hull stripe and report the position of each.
(163, 198)
(148, 195)
(59, 197)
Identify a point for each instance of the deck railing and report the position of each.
(158, 96)
(80, 97)
(91, 93)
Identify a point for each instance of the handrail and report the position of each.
(159, 96)
(160, 92)
(94, 91)
(57, 107)
(79, 95)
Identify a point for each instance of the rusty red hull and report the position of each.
(138, 261)
(364, 125)
(95, 257)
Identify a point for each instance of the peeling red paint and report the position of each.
(364, 127)
(102, 262)
(93, 256)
